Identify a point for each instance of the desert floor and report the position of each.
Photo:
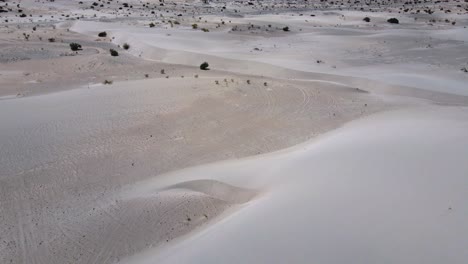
(314, 137)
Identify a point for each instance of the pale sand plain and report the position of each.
(96, 173)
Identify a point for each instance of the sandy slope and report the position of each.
(66, 156)
(367, 193)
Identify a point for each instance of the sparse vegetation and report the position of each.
(75, 46)
(204, 66)
(107, 82)
(366, 19)
(194, 26)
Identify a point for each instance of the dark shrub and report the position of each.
(102, 34)
(113, 52)
(286, 29)
(204, 66)
(75, 46)
(126, 46)
(367, 19)
(393, 21)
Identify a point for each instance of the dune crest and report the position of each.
(218, 190)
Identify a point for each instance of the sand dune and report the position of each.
(69, 157)
(352, 195)
(397, 56)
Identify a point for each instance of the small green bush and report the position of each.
(113, 52)
(75, 46)
(393, 21)
(204, 66)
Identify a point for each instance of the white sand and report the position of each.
(339, 141)
(396, 56)
(368, 192)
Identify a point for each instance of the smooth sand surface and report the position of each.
(367, 192)
(332, 141)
